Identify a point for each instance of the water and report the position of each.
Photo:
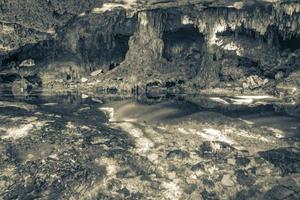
(71, 146)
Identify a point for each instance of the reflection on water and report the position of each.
(74, 146)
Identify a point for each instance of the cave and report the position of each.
(184, 43)
(121, 46)
(291, 43)
(137, 99)
(104, 49)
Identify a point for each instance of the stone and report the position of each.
(231, 161)
(253, 82)
(215, 149)
(227, 180)
(20, 87)
(244, 178)
(97, 72)
(179, 154)
(97, 100)
(279, 75)
(84, 80)
(243, 161)
(198, 166)
(53, 157)
(209, 195)
(280, 192)
(84, 96)
(287, 159)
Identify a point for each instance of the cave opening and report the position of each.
(103, 50)
(119, 50)
(113, 65)
(184, 43)
(291, 43)
(241, 31)
(122, 45)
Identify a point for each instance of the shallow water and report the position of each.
(72, 146)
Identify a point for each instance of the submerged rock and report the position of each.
(287, 159)
(215, 149)
(21, 87)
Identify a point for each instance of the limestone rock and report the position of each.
(20, 87)
(97, 72)
(227, 180)
(27, 63)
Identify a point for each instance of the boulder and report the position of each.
(21, 87)
(97, 72)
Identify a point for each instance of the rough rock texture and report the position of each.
(244, 46)
(66, 148)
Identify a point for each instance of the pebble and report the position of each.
(231, 161)
(83, 80)
(97, 72)
(84, 96)
(227, 180)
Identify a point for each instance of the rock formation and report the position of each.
(241, 46)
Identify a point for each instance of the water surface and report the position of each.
(72, 146)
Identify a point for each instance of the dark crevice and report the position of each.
(9, 78)
(34, 79)
(272, 37)
(113, 65)
(102, 50)
(122, 45)
(241, 31)
(291, 44)
(182, 43)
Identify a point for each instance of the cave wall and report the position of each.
(203, 45)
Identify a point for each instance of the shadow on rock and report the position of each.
(287, 159)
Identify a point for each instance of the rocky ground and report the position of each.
(95, 148)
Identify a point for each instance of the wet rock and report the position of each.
(281, 192)
(249, 194)
(292, 182)
(98, 140)
(198, 166)
(243, 161)
(287, 159)
(126, 174)
(124, 191)
(215, 149)
(254, 82)
(97, 100)
(244, 178)
(21, 87)
(177, 154)
(112, 90)
(190, 188)
(208, 182)
(209, 195)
